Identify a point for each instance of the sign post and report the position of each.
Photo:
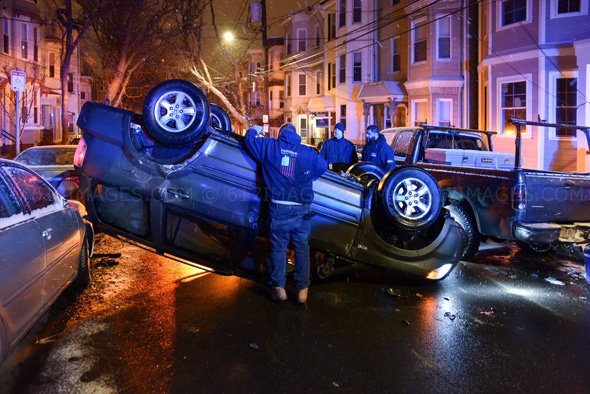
(18, 81)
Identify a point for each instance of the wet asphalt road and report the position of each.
(507, 321)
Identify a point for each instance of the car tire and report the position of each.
(411, 197)
(365, 171)
(462, 215)
(84, 277)
(219, 118)
(176, 113)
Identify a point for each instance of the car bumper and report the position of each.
(552, 232)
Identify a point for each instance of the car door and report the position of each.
(58, 226)
(22, 264)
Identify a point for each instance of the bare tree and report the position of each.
(28, 97)
(74, 20)
(204, 78)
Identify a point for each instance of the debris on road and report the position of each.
(107, 255)
(419, 295)
(107, 263)
(254, 346)
(335, 384)
(406, 322)
(554, 281)
(395, 293)
(451, 316)
(194, 330)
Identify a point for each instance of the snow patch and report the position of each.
(70, 360)
(37, 213)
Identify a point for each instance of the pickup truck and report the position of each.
(490, 194)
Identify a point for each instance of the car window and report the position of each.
(444, 140)
(401, 144)
(37, 194)
(44, 157)
(8, 204)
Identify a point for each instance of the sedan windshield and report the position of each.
(47, 157)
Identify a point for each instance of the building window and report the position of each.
(51, 65)
(70, 83)
(419, 112)
(288, 84)
(342, 14)
(419, 42)
(513, 104)
(387, 120)
(287, 43)
(24, 43)
(396, 57)
(303, 126)
(318, 83)
(257, 98)
(443, 33)
(35, 45)
(334, 75)
(281, 99)
(343, 115)
(302, 40)
(566, 90)
(317, 36)
(565, 8)
(302, 85)
(331, 26)
(357, 67)
(342, 78)
(356, 11)
(444, 112)
(513, 11)
(83, 95)
(6, 31)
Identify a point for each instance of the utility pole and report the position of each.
(265, 60)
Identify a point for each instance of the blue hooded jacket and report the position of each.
(288, 167)
(339, 152)
(380, 153)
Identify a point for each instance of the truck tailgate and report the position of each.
(556, 197)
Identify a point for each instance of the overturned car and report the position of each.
(178, 180)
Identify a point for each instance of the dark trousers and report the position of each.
(289, 223)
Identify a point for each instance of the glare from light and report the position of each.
(439, 272)
(228, 36)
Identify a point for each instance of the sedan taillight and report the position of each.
(80, 153)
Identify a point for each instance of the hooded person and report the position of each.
(339, 152)
(377, 151)
(289, 169)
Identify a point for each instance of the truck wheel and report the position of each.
(219, 118)
(176, 112)
(411, 197)
(365, 171)
(464, 217)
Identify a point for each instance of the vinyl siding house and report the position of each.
(534, 63)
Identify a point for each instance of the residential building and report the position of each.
(535, 64)
(33, 46)
(424, 63)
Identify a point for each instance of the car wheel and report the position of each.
(365, 171)
(83, 278)
(219, 118)
(176, 112)
(411, 197)
(464, 217)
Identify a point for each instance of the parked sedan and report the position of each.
(45, 246)
(169, 180)
(55, 163)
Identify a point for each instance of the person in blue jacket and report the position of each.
(288, 169)
(377, 150)
(339, 152)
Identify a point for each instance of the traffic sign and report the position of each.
(18, 80)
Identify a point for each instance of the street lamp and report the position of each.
(228, 36)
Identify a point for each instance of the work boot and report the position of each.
(302, 296)
(278, 294)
